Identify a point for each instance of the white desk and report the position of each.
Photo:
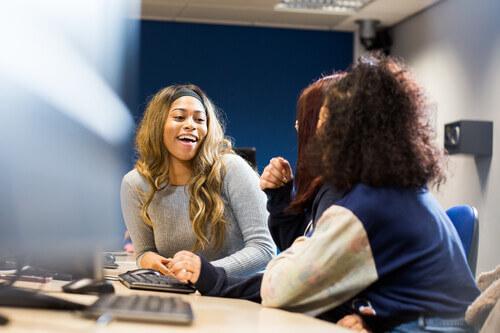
(212, 314)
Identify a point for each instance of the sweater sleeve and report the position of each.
(141, 234)
(213, 281)
(248, 204)
(285, 227)
(321, 272)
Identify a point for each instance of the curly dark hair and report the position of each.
(377, 129)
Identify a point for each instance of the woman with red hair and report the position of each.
(291, 199)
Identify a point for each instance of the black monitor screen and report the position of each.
(249, 154)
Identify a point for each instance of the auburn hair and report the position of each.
(311, 99)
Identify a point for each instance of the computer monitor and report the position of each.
(60, 181)
(65, 132)
(249, 154)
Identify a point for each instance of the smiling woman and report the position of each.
(184, 131)
(189, 191)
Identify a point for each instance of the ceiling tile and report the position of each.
(326, 21)
(224, 14)
(236, 3)
(261, 12)
(161, 11)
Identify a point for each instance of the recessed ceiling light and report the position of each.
(322, 6)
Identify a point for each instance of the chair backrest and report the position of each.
(465, 219)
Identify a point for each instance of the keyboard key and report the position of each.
(142, 308)
(152, 280)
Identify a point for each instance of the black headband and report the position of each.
(181, 92)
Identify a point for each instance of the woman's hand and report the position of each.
(354, 322)
(155, 261)
(276, 174)
(185, 266)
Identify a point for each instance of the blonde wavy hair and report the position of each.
(206, 206)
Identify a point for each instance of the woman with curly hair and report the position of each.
(386, 251)
(189, 191)
(292, 201)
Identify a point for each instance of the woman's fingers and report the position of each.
(286, 168)
(272, 171)
(282, 166)
(264, 184)
(161, 265)
(277, 173)
(354, 322)
(185, 266)
(188, 264)
(272, 176)
(184, 253)
(163, 270)
(349, 321)
(155, 261)
(268, 180)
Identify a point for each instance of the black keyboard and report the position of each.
(25, 298)
(153, 280)
(142, 308)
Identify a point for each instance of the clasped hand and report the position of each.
(185, 266)
(276, 174)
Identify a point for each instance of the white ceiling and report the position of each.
(262, 13)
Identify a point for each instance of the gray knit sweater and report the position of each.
(247, 244)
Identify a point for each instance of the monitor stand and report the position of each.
(23, 298)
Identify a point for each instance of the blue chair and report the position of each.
(465, 219)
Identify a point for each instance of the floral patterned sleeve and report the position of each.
(319, 273)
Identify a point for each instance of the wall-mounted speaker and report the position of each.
(469, 137)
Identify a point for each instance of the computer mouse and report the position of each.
(89, 286)
(3, 320)
(109, 261)
(109, 257)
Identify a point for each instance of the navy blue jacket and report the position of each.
(419, 264)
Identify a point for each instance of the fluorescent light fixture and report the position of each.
(322, 6)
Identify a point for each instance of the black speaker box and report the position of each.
(469, 137)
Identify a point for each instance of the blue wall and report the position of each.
(253, 74)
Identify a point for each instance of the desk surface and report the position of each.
(212, 314)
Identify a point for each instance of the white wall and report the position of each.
(454, 50)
